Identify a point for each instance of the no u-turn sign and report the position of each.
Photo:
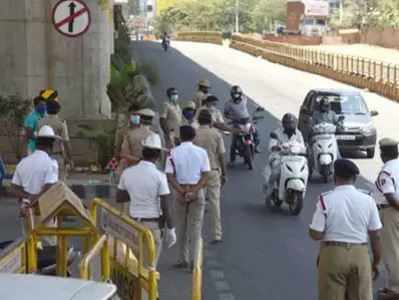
(71, 17)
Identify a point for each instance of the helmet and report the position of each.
(49, 94)
(47, 132)
(146, 112)
(204, 83)
(236, 92)
(290, 122)
(153, 141)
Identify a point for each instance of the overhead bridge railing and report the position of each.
(131, 251)
(212, 37)
(377, 76)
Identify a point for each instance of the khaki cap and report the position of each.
(205, 83)
(188, 104)
(146, 112)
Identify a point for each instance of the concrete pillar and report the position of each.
(34, 55)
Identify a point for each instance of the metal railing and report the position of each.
(378, 76)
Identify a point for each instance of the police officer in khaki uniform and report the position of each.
(189, 114)
(171, 118)
(345, 220)
(202, 93)
(211, 140)
(388, 184)
(62, 149)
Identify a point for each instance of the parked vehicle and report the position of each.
(357, 133)
(324, 149)
(244, 142)
(292, 184)
(36, 287)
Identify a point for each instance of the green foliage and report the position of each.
(13, 110)
(219, 15)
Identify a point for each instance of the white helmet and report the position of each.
(47, 132)
(153, 141)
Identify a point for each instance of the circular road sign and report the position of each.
(71, 17)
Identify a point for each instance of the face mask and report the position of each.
(189, 114)
(174, 98)
(135, 119)
(41, 109)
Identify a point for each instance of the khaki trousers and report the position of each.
(345, 273)
(212, 193)
(189, 220)
(157, 234)
(390, 246)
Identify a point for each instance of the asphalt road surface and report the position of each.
(265, 255)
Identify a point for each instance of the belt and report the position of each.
(147, 219)
(383, 206)
(342, 244)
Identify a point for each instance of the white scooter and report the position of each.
(325, 150)
(292, 184)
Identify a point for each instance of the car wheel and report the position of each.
(370, 153)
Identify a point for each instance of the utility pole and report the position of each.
(237, 16)
(341, 11)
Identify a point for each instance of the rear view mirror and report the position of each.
(374, 113)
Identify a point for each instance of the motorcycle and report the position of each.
(243, 143)
(324, 150)
(165, 44)
(291, 186)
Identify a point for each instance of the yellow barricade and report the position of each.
(100, 247)
(13, 258)
(132, 252)
(197, 275)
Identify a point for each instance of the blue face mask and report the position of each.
(189, 114)
(135, 119)
(41, 109)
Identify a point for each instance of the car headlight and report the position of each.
(368, 129)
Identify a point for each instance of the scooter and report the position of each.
(290, 188)
(165, 44)
(324, 149)
(244, 141)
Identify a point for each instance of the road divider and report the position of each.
(376, 76)
(211, 37)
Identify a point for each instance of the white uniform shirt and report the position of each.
(388, 180)
(346, 215)
(35, 171)
(144, 184)
(188, 162)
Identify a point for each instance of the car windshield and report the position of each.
(346, 104)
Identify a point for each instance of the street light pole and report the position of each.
(237, 16)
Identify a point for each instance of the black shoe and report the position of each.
(216, 241)
(181, 265)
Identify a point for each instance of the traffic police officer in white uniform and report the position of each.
(188, 169)
(146, 188)
(388, 184)
(344, 221)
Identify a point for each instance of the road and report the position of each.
(265, 255)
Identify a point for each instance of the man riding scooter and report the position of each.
(325, 114)
(236, 110)
(287, 134)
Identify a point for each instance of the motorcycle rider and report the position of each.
(218, 122)
(202, 93)
(236, 110)
(165, 38)
(285, 135)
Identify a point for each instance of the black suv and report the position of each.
(358, 131)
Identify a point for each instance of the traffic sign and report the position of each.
(71, 17)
